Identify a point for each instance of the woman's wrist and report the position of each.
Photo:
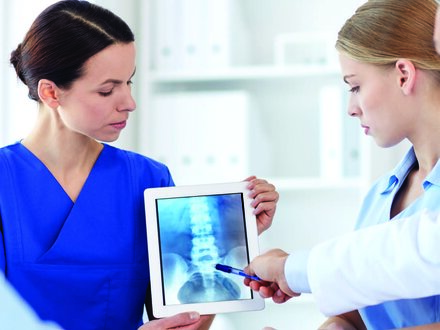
(295, 271)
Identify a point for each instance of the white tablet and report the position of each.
(190, 231)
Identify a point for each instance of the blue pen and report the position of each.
(236, 271)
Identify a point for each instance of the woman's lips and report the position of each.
(120, 125)
(366, 129)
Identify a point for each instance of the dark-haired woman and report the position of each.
(73, 240)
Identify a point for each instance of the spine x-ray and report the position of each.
(196, 233)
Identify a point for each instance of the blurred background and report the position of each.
(230, 88)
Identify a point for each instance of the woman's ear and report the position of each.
(48, 93)
(406, 75)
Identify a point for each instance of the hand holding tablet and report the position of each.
(191, 229)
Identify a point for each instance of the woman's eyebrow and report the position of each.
(113, 81)
(348, 77)
(117, 81)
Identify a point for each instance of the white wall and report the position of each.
(17, 110)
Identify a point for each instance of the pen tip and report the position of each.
(223, 268)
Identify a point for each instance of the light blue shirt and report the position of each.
(15, 314)
(384, 261)
(377, 209)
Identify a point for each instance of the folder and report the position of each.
(202, 136)
(166, 37)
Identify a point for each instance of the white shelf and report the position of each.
(244, 73)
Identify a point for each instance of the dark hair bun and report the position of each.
(16, 62)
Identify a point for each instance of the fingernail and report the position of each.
(194, 315)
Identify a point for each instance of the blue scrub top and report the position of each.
(377, 209)
(83, 265)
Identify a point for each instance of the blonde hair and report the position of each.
(382, 31)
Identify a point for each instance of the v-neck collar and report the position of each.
(41, 166)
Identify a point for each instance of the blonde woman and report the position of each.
(388, 271)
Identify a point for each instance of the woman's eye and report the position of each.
(354, 89)
(106, 93)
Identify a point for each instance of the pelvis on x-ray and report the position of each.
(196, 233)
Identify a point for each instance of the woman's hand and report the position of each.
(270, 268)
(265, 201)
(268, 290)
(182, 321)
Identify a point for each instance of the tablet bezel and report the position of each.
(155, 261)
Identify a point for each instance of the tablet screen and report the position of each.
(195, 234)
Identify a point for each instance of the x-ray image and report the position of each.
(196, 233)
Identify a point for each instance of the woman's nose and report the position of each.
(128, 103)
(353, 109)
(131, 103)
(352, 112)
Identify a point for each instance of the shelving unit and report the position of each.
(275, 97)
(278, 133)
(249, 73)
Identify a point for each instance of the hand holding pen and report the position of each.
(266, 289)
(236, 271)
(269, 267)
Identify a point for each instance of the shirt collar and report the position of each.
(398, 174)
(433, 178)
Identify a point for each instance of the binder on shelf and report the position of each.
(166, 38)
(305, 48)
(330, 117)
(202, 136)
(217, 37)
(191, 32)
(198, 34)
(225, 37)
